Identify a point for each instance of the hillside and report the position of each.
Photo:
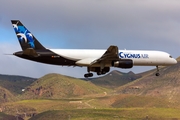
(14, 83)
(6, 95)
(110, 114)
(126, 95)
(57, 86)
(115, 79)
(9, 117)
(167, 85)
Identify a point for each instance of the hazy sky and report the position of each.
(92, 24)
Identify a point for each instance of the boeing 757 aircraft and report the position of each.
(98, 61)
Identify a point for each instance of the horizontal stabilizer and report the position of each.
(30, 52)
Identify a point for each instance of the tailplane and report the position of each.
(25, 37)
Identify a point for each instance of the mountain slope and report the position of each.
(4, 116)
(6, 96)
(115, 79)
(14, 83)
(167, 85)
(57, 86)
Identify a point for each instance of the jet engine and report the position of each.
(123, 63)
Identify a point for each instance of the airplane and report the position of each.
(98, 61)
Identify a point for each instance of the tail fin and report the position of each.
(25, 37)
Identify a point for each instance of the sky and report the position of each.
(88, 24)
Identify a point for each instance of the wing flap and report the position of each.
(85, 62)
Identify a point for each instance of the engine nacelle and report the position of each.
(123, 63)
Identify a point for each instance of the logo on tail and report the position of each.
(24, 35)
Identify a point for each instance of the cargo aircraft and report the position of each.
(98, 61)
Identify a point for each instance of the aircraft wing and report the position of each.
(110, 55)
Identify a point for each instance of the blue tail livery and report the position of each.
(25, 37)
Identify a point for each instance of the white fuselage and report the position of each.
(98, 61)
(139, 57)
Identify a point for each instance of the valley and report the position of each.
(117, 95)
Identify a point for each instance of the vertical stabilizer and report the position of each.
(25, 37)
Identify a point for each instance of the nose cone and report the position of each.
(174, 61)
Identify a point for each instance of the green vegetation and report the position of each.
(116, 96)
(15, 84)
(142, 101)
(6, 96)
(4, 116)
(110, 114)
(55, 86)
(126, 107)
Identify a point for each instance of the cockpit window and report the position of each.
(170, 56)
